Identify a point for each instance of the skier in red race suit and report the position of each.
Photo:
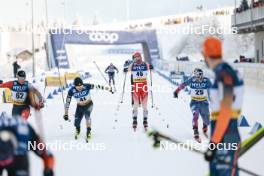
(139, 71)
(21, 91)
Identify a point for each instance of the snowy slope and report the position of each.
(131, 153)
(181, 39)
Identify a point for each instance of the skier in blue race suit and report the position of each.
(199, 105)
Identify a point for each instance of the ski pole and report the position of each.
(151, 92)
(157, 135)
(103, 75)
(100, 72)
(123, 91)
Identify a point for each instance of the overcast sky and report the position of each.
(19, 11)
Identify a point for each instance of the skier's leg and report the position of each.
(25, 113)
(195, 111)
(109, 77)
(145, 108)
(113, 79)
(20, 166)
(205, 115)
(87, 114)
(21, 111)
(132, 89)
(16, 111)
(77, 121)
(135, 108)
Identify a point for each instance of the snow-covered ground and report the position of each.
(115, 149)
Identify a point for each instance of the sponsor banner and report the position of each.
(71, 76)
(55, 81)
(61, 37)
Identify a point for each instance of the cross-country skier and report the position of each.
(226, 97)
(139, 71)
(21, 90)
(81, 92)
(199, 86)
(16, 135)
(110, 70)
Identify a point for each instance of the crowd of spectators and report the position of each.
(244, 5)
(243, 59)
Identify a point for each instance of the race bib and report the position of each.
(19, 96)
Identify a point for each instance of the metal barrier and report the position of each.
(253, 74)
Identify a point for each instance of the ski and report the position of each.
(250, 142)
(157, 136)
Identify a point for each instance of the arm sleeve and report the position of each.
(183, 85)
(8, 85)
(106, 69)
(68, 99)
(224, 117)
(116, 70)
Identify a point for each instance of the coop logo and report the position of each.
(103, 37)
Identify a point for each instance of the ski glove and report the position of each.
(151, 67)
(175, 94)
(48, 164)
(40, 105)
(1, 81)
(66, 117)
(210, 154)
(125, 70)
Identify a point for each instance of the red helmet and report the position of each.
(136, 54)
(137, 57)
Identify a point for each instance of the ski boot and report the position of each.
(88, 135)
(145, 123)
(196, 135)
(205, 129)
(134, 125)
(77, 133)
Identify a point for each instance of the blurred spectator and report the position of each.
(186, 58)
(244, 5)
(244, 59)
(16, 67)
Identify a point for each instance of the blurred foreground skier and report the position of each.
(17, 138)
(226, 97)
